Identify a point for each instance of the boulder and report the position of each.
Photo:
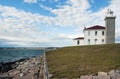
(86, 77)
(102, 74)
(114, 74)
(101, 77)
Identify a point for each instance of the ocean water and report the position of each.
(13, 55)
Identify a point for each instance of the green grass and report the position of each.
(72, 62)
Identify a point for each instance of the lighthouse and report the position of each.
(99, 34)
(109, 27)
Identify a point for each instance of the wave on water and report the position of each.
(13, 55)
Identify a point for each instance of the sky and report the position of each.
(51, 23)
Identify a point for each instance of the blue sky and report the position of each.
(44, 23)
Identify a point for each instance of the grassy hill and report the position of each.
(72, 62)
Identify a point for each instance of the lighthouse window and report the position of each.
(95, 33)
(102, 32)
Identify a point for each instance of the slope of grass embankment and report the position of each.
(72, 62)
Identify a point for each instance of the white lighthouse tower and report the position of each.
(110, 27)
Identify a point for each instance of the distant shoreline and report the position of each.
(29, 48)
(22, 48)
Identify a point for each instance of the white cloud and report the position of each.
(21, 27)
(78, 14)
(54, 0)
(45, 7)
(25, 28)
(30, 1)
(92, 1)
(75, 13)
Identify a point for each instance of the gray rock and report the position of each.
(101, 77)
(50, 75)
(86, 77)
(102, 74)
(114, 74)
(117, 74)
(14, 72)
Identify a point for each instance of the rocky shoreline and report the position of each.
(5, 67)
(28, 68)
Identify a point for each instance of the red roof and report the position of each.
(78, 38)
(95, 27)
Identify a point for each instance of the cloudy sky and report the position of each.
(44, 23)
